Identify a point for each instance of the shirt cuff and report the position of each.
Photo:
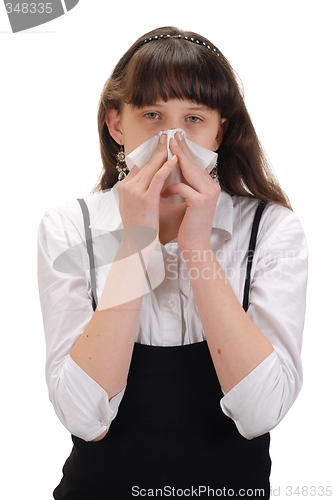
(82, 404)
(254, 403)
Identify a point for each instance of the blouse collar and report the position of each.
(108, 218)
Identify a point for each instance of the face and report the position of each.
(133, 126)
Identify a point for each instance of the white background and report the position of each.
(51, 78)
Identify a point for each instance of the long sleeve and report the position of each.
(277, 307)
(79, 402)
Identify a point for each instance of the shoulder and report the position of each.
(279, 226)
(62, 227)
(274, 215)
(244, 207)
(70, 213)
(71, 208)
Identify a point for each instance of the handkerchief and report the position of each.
(204, 158)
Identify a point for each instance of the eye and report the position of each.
(194, 119)
(152, 115)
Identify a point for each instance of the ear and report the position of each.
(221, 132)
(113, 122)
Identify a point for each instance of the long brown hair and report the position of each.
(177, 68)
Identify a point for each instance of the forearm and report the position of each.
(105, 347)
(237, 346)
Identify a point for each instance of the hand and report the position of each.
(139, 192)
(201, 197)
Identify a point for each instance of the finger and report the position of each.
(159, 157)
(194, 175)
(161, 175)
(132, 173)
(178, 144)
(180, 188)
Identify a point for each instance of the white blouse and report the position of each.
(169, 315)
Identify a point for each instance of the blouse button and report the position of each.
(104, 423)
(171, 303)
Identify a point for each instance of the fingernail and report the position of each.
(163, 139)
(179, 136)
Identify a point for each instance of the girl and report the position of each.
(171, 384)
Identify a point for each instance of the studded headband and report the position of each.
(180, 37)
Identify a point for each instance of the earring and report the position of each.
(121, 165)
(214, 173)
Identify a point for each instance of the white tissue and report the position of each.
(204, 158)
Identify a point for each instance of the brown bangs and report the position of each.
(167, 69)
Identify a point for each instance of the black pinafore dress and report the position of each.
(170, 436)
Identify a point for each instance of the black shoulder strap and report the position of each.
(88, 235)
(250, 253)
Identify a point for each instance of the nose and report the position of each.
(173, 124)
(173, 119)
